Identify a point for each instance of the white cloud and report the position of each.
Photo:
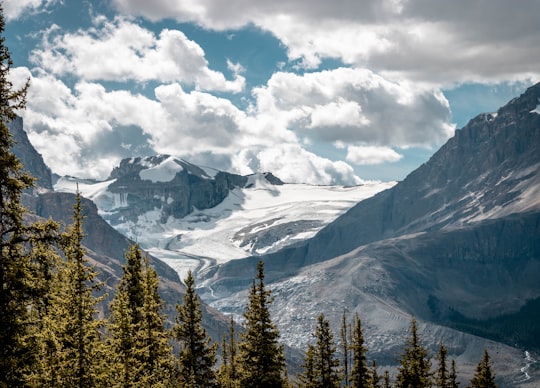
(368, 155)
(293, 164)
(356, 106)
(86, 123)
(121, 50)
(14, 9)
(429, 41)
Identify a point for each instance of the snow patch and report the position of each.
(537, 110)
(163, 172)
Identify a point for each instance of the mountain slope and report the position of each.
(456, 244)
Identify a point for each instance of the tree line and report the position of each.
(51, 334)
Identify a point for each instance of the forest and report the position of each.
(52, 335)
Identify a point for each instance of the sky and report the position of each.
(314, 91)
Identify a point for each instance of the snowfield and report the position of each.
(258, 219)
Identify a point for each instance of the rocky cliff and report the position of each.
(32, 160)
(173, 186)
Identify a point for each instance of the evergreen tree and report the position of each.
(197, 355)
(261, 357)
(484, 377)
(228, 371)
(359, 373)
(158, 359)
(345, 348)
(138, 340)
(325, 363)
(374, 378)
(75, 311)
(414, 369)
(386, 380)
(453, 383)
(21, 278)
(307, 378)
(442, 378)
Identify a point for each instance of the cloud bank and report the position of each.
(117, 88)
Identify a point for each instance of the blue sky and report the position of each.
(315, 91)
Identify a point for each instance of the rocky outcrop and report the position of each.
(189, 188)
(32, 160)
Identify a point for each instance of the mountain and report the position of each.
(193, 217)
(456, 244)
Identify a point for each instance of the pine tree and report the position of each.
(359, 373)
(228, 371)
(261, 357)
(138, 340)
(453, 383)
(414, 369)
(75, 311)
(442, 378)
(345, 348)
(158, 360)
(325, 364)
(386, 380)
(484, 377)
(374, 378)
(197, 355)
(307, 378)
(21, 277)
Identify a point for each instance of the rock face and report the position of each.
(32, 160)
(173, 186)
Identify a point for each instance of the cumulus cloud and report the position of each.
(357, 106)
(428, 41)
(95, 127)
(368, 155)
(293, 164)
(122, 50)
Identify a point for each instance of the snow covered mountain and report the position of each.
(145, 200)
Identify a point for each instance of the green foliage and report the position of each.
(414, 369)
(452, 378)
(228, 371)
(443, 377)
(138, 342)
(484, 377)
(321, 367)
(360, 373)
(261, 357)
(374, 377)
(74, 311)
(197, 355)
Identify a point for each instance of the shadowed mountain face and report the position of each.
(32, 160)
